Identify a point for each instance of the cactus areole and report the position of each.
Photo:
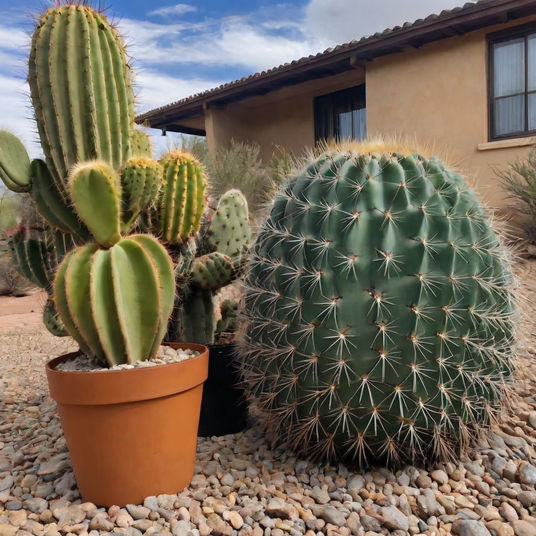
(378, 315)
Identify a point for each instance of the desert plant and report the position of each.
(240, 166)
(207, 244)
(83, 105)
(129, 280)
(519, 182)
(378, 311)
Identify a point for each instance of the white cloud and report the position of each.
(16, 113)
(233, 42)
(156, 89)
(177, 9)
(339, 21)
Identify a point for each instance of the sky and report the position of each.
(178, 49)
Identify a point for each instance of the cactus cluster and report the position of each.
(113, 296)
(378, 319)
(207, 244)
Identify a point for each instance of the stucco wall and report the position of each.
(436, 94)
(283, 117)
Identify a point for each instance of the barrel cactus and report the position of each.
(113, 296)
(378, 318)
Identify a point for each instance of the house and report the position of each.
(463, 80)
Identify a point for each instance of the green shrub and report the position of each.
(240, 166)
(519, 182)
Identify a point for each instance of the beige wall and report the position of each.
(283, 117)
(436, 94)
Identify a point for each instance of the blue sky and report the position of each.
(183, 48)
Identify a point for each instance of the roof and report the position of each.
(457, 21)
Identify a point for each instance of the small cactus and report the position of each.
(114, 297)
(378, 315)
(229, 231)
(182, 198)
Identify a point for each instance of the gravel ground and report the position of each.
(243, 487)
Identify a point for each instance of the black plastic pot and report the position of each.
(224, 408)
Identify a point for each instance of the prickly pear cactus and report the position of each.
(229, 231)
(114, 297)
(378, 315)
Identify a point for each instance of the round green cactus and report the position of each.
(378, 314)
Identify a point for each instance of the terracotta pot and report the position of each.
(131, 433)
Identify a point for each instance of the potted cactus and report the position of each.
(113, 291)
(208, 246)
(378, 322)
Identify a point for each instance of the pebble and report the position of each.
(393, 518)
(469, 528)
(242, 487)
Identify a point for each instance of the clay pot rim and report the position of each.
(128, 385)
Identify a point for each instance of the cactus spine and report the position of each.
(378, 315)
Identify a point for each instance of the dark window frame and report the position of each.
(509, 34)
(331, 100)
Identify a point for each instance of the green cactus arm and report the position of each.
(164, 268)
(212, 271)
(140, 182)
(52, 320)
(50, 204)
(198, 316)
(14, 163)
(31, 256)
(229, 231)
(137, 299)
(104, 308)
(77, 289)
(141, 144)
(62, 305)
(178, 212)
(95, 192)
(81, 90)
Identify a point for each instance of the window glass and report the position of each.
(509, 115)
(341, 115)
(509, 68)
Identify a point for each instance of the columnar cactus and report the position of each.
(80, 89)
(114, 296)
(182, 198)
(230, 232)
(84, 108)
(378, 315)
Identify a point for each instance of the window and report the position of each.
(341, 115)
(513, 84)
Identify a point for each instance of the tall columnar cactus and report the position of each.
(177, 215)
(80, 89)
(378, 314)
(114, 296)
(84, 108)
